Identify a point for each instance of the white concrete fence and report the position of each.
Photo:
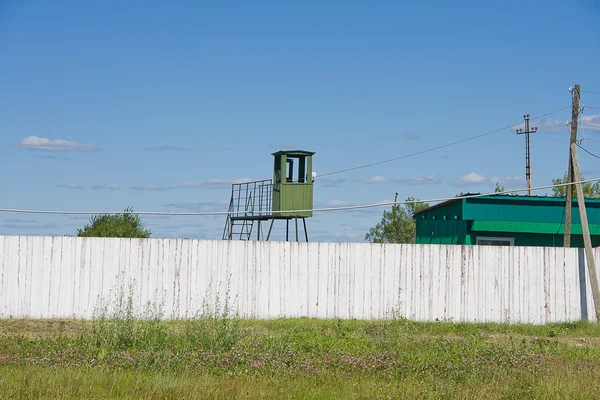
(51, 277)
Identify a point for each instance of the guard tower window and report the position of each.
(290, 170)
(296, 169)
(292, 167)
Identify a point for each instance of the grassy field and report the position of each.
(222, 358)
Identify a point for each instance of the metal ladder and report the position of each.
(249, 202)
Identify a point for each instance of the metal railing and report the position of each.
(249, 201)
(251, 198)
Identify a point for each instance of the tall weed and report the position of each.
(125, 328)
(217, 328)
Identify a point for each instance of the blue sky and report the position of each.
(160, 106)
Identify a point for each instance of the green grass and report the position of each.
(225, 357)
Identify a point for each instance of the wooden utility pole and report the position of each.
(526, 132)
(569, 188)
(587, 241)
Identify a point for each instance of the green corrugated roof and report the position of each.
(530, 227)
(505, 198)
(533, 198)
(526, 209)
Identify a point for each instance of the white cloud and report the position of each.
(336, 203)
(107, 186)
(377, 179)
(149, 187)
(169, 148)
(20, 221)
(550, 125)
(419, 180)
(210, 184)
(219, 205)
(70, 186)
(213, 183)
(471, 179)
(199, 149)
(329, 182)
(586, 122)
(590, 122)
(513, 178)
(412, 180)
(477, 179)
(45, 144)
(374, 179)
(27, 226)
(506, 179)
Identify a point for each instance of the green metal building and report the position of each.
(506, 220)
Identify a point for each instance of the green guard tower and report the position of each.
(293, 184)
(289, 195)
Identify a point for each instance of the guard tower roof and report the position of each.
(293, 153)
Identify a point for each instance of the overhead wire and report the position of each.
(589, 125)
(587, 151)
(344, 208)
(167, 213)
(438, 147)
(592, 140)
(579, 116)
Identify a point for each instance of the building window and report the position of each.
(495, 241)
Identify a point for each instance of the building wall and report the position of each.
(296, 197)
(442, 231)
(49, 277)
(449, 211)
(530, 209)
(443, 225)
(535, 239)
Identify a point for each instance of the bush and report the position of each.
(127, 225)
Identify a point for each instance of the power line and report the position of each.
(439, 147)
(587, 151)
(527, 132)
(589, 125)
(551, 138)
(345, 208)
(590, 92)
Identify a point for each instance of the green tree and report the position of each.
(499, 188)
(115, 225)
(590, 190)
(397, 225)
